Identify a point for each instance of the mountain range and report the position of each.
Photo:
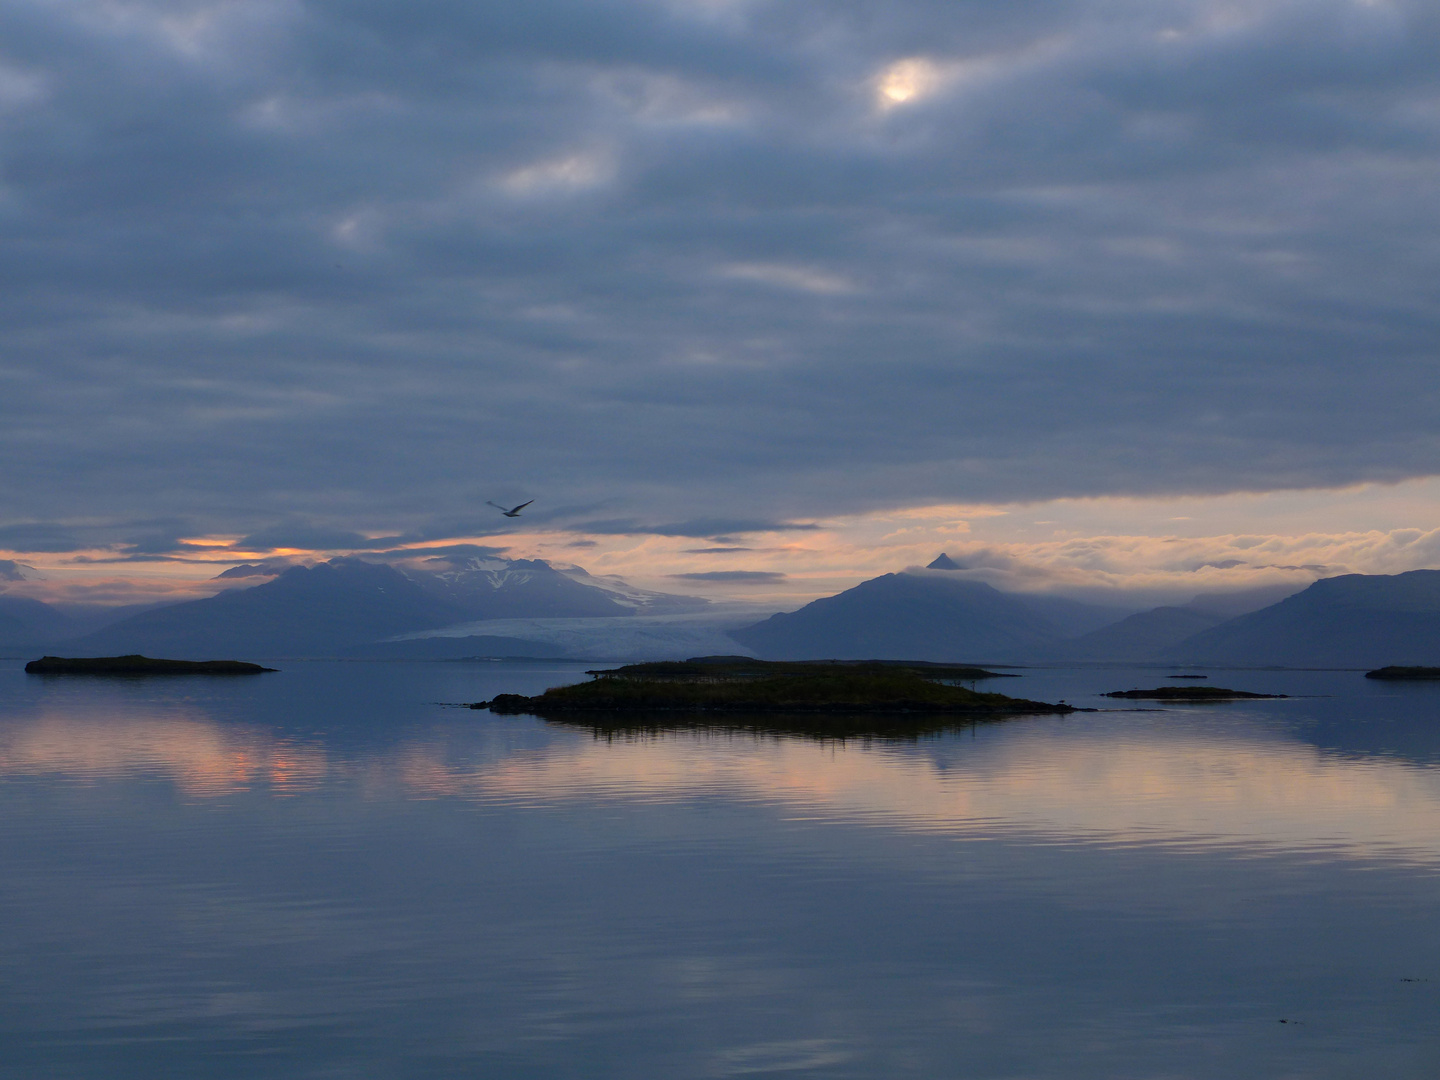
(445, 608)
(905, 617)
(1351, 621)
(305, 611)
(23, 619)
(1356, 620)
(348, 606)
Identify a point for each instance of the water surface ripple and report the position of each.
(328, 873)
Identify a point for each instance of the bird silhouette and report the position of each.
(513, 512)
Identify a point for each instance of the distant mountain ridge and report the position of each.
(905, 617)
(492, 588)
(306, 611)
(1356, 620)
(352, 606)
(1139, 637)
(936, 614)
(23, 619)
(348, 603)
(513, 588)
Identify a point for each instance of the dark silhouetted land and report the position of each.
(1190, 693)
(138, 665)
(750, 686)
(901, 616)
(1351, 621)
(347, 604)
(1404, 673)
(1138, 637)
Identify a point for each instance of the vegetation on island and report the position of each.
(1190, 693)
(742, 686)
(738, 667)
(1394, 672)
(138, 665)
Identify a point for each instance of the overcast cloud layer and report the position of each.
(349, 266)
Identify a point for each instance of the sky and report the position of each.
(1094, 295)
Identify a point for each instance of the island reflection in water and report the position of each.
(1109, 893)
(1146, 783)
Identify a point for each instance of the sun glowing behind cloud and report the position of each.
(907, 80)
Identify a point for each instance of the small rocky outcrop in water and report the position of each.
(138, 665)
(736, 685)
(1190, 693)
(1404, 673)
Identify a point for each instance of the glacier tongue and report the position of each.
(640, 637)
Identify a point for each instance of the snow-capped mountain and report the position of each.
(495, 588)
(339, 606)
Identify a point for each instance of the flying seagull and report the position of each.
(515, 512)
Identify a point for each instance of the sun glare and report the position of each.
(905, 81)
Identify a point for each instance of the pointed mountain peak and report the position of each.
(944, 562)
(14, 571)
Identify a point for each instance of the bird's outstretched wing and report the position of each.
(521, 507)
(496, 505)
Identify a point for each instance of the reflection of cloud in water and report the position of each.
(1057, 781)
(201, 757)
(1151, 788)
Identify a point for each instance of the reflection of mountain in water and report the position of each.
(373, 730)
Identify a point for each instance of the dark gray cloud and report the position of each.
(355, 268)
(735, 577)
(133, 539)
(47, 537)
(714, 528)
(311, 537)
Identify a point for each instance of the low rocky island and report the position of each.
(138, 665)
(740, 667)
(738, 686)
(1190, 693)
(1404, 673)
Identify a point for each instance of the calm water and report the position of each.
(324, 873)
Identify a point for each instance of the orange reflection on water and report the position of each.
(1149, 787)
(203, 758)
(1066, 782)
